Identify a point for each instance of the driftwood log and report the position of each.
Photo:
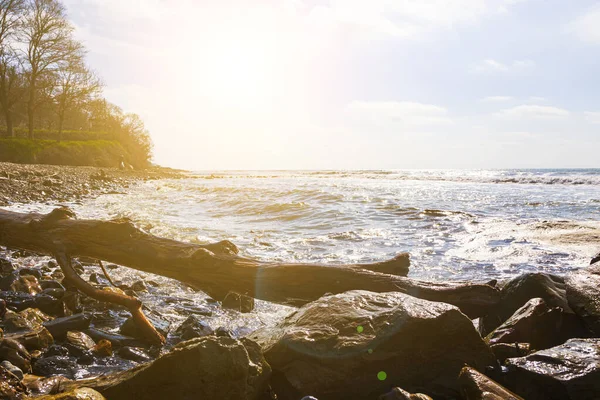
(216, 268)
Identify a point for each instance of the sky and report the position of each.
(353, 84)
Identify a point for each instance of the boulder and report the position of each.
(358, 344)
(534, 323)
(60, 326)
(27, 284)
(16, 371)
(399, 394)
(238, 302)
(583, 294)
(476, 386)
(38, 338)
(518, 291)
(567, 372)
(203, 368)
(38, 385)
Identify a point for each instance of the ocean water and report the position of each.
(457, 225)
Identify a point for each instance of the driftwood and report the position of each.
(216, 268)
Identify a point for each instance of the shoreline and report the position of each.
(33, 183)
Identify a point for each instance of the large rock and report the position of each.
(476, 386)
(518, 291)
(11, 386)
(358, 344)
(567, 372)
(204, 368)
(75, 394)
(534, 323)
(583, 294)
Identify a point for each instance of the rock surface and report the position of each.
(502, 351)
(583, 294)
(476, 386)
(10, 385)
(203, 368)
(400, 394)
(534, 323)
(358, 344)
(76, 394)
(567, 372)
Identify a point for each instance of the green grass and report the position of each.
(99, 153)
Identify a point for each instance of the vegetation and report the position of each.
(47, 92)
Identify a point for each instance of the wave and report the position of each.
(527, 177)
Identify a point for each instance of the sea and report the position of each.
(456, 224)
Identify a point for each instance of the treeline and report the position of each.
(46, 85)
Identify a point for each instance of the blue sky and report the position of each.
(353, 84)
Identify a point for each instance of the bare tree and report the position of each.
(11, 15)
(49, 46)
(75, 86)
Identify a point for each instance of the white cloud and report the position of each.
(403, 18)
(538, 99)
(592, 117)
(399, 113)
(491, 66)
(587, 26)
(497, 99)
(528, 111)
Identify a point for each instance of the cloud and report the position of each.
(399, 113)
(491, 66)
(586, 27)
(497, 99)
(528, 111)
(592, 117)
(406, 18)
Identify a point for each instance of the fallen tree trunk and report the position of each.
(216, 268)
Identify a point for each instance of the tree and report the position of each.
(49, 46)
(11, 15)
(75, 86)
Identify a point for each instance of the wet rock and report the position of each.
(39, 338)
(203, 368)
(399, 394)
(17, 301)
(60, 326)
(103, 348)
(11, 386)
(139, 286)
(57, 350)
(6, 282)
(518, 291)
(534, 323)
(99, 279)
(38, 385)
(502, 351)
(192, 328)
(56, 365)
(223, 332)
(48, 304)
(134, 354)
(27, 319)
(358, 344)
(31, 271)
(81, 340)
(26, 284)
(476, 386)
(130, 328)
(72, 301)
(15, 353)
(51, 284)
(6, 267)
(2, 308)
(116, 339)
(54, 292)
(238, 302)
(583, 292)
(16, 371)
(76, 394)
(567, 372)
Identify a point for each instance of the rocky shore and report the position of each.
(541, 340)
